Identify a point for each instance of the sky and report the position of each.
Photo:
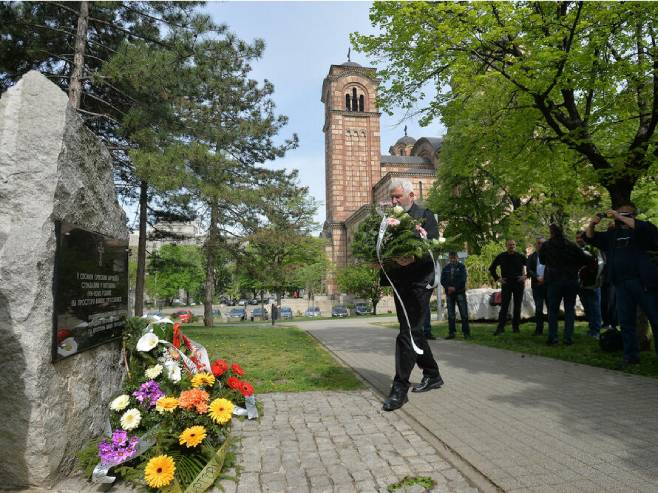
(302, 39)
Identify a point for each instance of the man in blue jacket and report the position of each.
(453, 280)
(631, 270)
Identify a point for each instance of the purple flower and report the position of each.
(148, 393)
(119, 449)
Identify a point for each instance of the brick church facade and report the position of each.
(356, 173)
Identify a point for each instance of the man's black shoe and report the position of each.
(552, 343)
(499, 331)
(516, 331)
(467, 336)
(451, 336)
(396, 399)
(428, 383)
(538, 333)
(430, 337)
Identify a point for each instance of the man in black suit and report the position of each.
(413, 279)
(536, 273)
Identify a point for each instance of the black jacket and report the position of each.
(643, 251)
(531, 267)
(420, 272)
(511, 266)
(454, 276)
(563, 259)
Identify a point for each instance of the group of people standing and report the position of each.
(622, 264)
(612, 273)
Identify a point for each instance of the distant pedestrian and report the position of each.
(512, 283)
(563, 259)
(631, 270)
(590, 285)
(453, 280)
(536, 274)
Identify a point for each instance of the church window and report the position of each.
(348, 106)
(355, 101)
(361, 102)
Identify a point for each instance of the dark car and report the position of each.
(253, 301)
(339, 311)
(260, 313)
(285, 312)
(238, 313)
(312, 312)
(362, 309)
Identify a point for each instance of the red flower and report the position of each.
(177, 336)
(236, 369)
(233, 383)
(218, 367)
(246, 389)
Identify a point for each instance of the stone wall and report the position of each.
(51, 168)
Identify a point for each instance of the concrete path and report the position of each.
(527, 423)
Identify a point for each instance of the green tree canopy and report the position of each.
(174, 267)
(582, 75)
(362, 281)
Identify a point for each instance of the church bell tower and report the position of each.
(352, 151)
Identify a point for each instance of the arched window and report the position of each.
(355, 101)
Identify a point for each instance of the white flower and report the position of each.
(131, 419)
(147, 342)
(393, 222)
(398, 209)
(120, 403)
(442, 240)
(153, 371)
(173, 371)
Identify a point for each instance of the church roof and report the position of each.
(404, 160)
(435, 142)
(350, 64)
(406, 140)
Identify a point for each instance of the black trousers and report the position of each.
(416, 301)
(509, 289)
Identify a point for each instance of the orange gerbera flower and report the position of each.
(246, 389)
(233, 383)
(194, 399)
(237, 370)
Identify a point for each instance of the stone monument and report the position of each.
(52, 169)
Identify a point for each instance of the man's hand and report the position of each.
(404, 261)
(540, 280)
(522, 278)
(595, 220)
(451, 290)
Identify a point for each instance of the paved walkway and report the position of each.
(334, 442)
(527, 423)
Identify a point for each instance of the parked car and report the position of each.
(339, 311)
(260, 313)
(238, 313)
(285, 312)
(242, 302)
(253, 301)
(229, 302)
(362, 309)
(216, 312)
(154, 314)
(314, 311)
(185, 316)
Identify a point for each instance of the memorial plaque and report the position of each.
(90, 289)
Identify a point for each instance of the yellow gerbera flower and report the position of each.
(203, 379)
(192, 436)
(166, 404)
(159, 471)
(221, 410)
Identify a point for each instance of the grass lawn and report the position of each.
(585, 350)
(275, 359)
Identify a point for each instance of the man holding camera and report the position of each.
(631, 270)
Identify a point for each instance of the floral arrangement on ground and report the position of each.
(169, 429)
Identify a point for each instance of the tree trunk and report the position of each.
(620, 191)
(211, 246)
(75, 83)
(141, 249)
(374, 306)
